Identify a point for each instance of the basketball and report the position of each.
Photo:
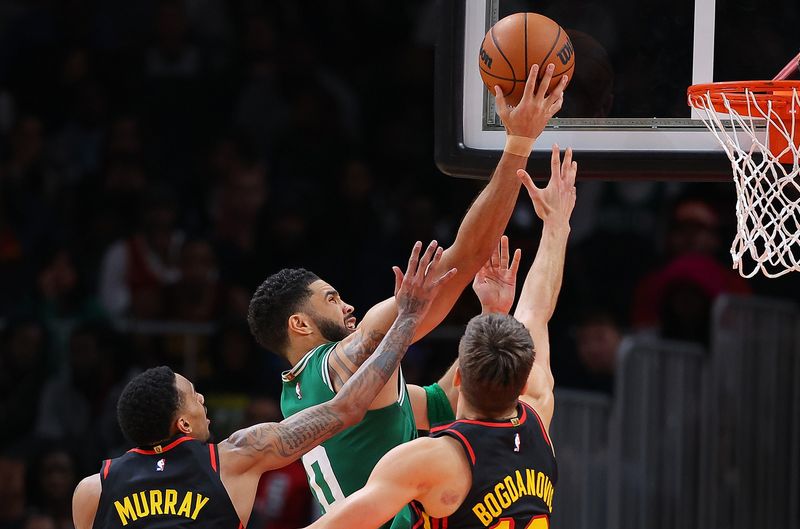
(517, 42)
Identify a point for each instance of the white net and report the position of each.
(760, 137)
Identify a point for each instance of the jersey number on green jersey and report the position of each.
(321, 478)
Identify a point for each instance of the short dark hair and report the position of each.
(495, 357)
(148, 405)
(279, 296)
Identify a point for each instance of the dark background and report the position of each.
(158, 159)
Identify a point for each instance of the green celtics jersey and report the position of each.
(341, 465)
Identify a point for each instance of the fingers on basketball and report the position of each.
(506, 53)
(541, 93)
(530, 84)
(500, 102)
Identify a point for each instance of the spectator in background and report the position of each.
(283, 499)
(13, 498)
(360, 261)
(597, 341)
(176, 90)
(675, 299)
(197, 294)
(78, 146)
(26, 165)
(261, 109)
(23, 371)
(172, 54)
(25, 216)
(59, 291)
(237, 214)
(119, 201)
(125, 138)
(135, 270)
(39, 521)
(73, 400)
(52, 479)
(237, 372)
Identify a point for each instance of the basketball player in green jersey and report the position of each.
(174, 478)
(494, 466)
(302, 318)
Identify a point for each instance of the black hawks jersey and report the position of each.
(513, 475)
(174, 486)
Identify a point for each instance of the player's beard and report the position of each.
(332, 330)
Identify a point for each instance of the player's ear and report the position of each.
(300, 324)
(183, 426)
(457, 378)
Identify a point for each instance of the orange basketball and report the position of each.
(516, 43)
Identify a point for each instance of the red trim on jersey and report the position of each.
(106, 466)
(420, 519)
(504, 424)
(541, 424)
(213, 455)
(170, 446)
(466, 444)
(444, 522)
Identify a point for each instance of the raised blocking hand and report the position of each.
(416, 289)
(495, 284)
(554, 203)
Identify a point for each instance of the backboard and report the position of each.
(625, 110)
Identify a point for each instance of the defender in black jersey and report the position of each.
(175, 479)
(494, 466)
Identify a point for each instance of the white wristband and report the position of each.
(519, 145)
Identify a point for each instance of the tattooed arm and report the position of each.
(273, 445)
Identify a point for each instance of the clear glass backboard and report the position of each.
(625, 110)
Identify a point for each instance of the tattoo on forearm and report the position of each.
(312, 426)
(379, 367)
(291, 437)
(359, 350)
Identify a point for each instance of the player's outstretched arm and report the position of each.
(421, 469)
(482, 225)
(495, 285)
(554, 205)
(274, 445)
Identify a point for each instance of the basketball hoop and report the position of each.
(766, 171)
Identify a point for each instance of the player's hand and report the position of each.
(495, 284)
(535, 108)
(554, 203)
(416, 289)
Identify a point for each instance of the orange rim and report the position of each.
(736, 93)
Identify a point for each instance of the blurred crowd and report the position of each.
(159, 158)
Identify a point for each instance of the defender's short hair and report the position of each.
(495, 357)
(148, 405)
(279, 296)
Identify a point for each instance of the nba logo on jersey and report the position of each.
(516, 442)
(297, 391)
(160, 465)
